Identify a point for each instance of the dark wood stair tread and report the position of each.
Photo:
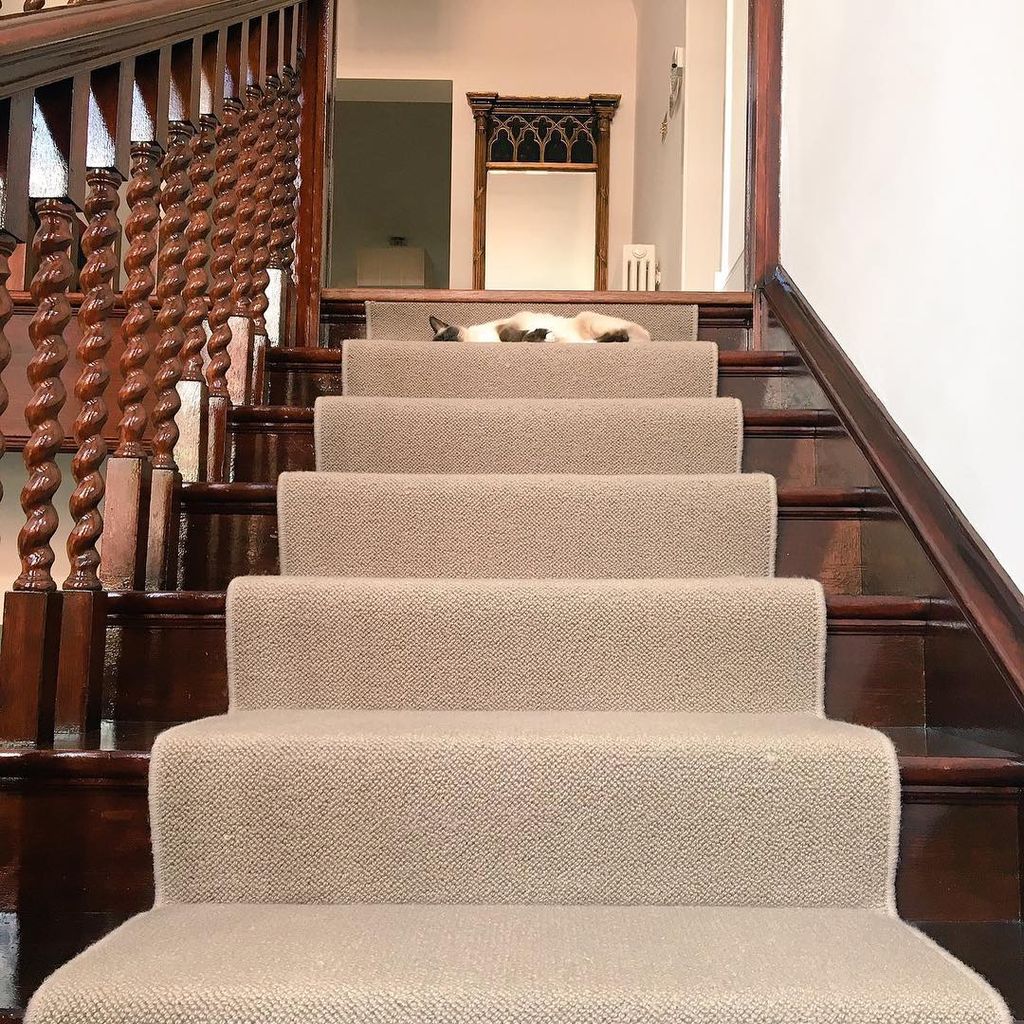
(928, 756)
(290, 414)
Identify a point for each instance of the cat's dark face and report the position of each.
(443, 331)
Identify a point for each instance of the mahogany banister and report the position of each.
(152, 93)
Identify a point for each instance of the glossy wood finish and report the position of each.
(990, 600)
(129, 471)
(801, 448)
(58, 44)
(316, 72)
(764, 120)
(166, 657)
(960, 817)
(852, 540)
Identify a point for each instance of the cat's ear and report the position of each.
(538, 334)
(438, 326)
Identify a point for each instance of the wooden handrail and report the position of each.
(63, 42)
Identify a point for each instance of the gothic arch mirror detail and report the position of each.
(543, 161)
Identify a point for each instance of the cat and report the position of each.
(544, 327)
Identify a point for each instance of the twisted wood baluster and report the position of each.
(225, 226)
(295, 131)
(248, 139)
(170, 284)
(197, 237)
(266, 126)
(52, 250)
(7, 246)
(140, 230)
(286, 152)
(96, 278)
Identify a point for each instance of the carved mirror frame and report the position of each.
(542, 133)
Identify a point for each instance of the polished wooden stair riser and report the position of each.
(169, 666)
(796, 451)
(82, 843)
(784, 384)
(852, 542)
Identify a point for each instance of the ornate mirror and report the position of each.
(540, 201)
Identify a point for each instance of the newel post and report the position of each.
(31, 634)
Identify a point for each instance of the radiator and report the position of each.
(639, 268)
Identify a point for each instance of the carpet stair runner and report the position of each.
(523, 742)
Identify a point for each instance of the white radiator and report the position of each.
(639, 268)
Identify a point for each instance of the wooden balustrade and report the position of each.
(192, 113)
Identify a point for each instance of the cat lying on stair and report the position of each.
(526, 326)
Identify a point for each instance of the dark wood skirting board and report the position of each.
(990, 600)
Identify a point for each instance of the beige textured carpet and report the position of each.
(449, 370)
(410, 321)
(530, 748)
(531, 435)
(586, 527)
(750, 645)
(382, 964)
(523, 807)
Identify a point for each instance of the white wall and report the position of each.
(678, 182)
(537, 47)
(658, 164)
(902, 222)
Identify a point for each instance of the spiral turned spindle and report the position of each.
(140, 230)
(294, 129)
(266, 126)
(7, 246)
(170, 286)
(97, 279)
(282, 200)
(51, 248)
(248, 140)
(197, 236)
(225, 227)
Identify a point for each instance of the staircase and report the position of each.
(558, 738)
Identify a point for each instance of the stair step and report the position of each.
(430, 369)
(526, 526)
(83, 820)
(735, 645)
(402, 806)
(800, 447)
(590, 436)
(167, 659)
(472, 964)
(298, 376)
(850, 539)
